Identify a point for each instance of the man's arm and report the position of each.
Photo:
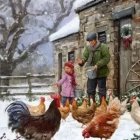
(85, 56)
(105, 56)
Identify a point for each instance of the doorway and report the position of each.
(124, 55)
(59, 69)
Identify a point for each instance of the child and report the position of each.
(68, 83)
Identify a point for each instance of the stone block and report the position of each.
(110, 83)
(112, 37)
(83, 20)
(101, 28)
(91, 19)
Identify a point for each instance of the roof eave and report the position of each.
(65, 36)
(88, 5)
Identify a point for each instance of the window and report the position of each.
(102, 37)
(71, 56)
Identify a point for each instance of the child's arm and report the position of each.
(61, 81)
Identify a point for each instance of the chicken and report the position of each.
(83, 113)
(104, 125)
(64, 110)
(135, 111)
(102, 108)
(124, 106)
(39, 109)
(41, 127)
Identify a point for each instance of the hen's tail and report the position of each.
(18, 113)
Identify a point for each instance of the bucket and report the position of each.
(91, 74)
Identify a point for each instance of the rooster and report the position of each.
(104, 125)
(64, 110)
(39, 109)
(41, 127)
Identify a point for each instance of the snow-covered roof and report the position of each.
(70, 24)
(80, 3)
(87, 4)
(68, 28)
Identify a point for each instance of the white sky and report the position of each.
(70, 129)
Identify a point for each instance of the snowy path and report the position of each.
(71, 129)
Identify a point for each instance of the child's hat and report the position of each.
(69, 64)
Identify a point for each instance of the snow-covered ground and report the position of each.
(70, 129)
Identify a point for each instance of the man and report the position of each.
(97, 56)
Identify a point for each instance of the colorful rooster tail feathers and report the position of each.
(17, 111)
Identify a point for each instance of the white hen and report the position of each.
(135, 111)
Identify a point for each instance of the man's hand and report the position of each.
(79, 61)
(95, 67)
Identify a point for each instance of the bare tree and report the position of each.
(11, 32)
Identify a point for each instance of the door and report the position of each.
(125, 56)
(59, 68)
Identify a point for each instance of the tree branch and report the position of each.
(27, 2)
(16, 29)
(14, 39)
(66, 13)
(3, 25)
(34, 45)
(13, 9)
(30, 49)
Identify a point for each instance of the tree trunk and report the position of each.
(5, 70)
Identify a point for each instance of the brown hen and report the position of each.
(39, 109)
(83, 113)
(65, 110)
(102, 108)
(104, 125)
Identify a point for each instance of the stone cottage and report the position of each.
(117, 23)
(66, 46)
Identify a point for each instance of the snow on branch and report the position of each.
(30, 49)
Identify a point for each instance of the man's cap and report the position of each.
(91, 36)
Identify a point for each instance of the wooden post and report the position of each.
(29, 84)
(0, 85)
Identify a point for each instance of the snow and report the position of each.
(80, 3)
(68, 28)
(70, 129)
(70, 24)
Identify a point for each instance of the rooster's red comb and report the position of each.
(55, 96)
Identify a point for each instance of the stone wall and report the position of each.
(99, 18)
(64, 46)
